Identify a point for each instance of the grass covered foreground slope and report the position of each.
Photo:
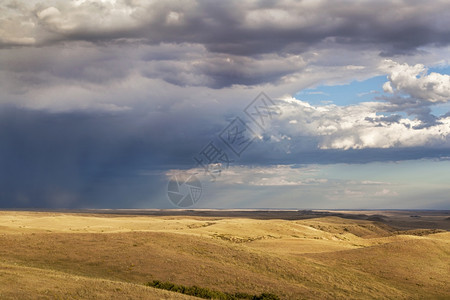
(64, 255)
(19, 282)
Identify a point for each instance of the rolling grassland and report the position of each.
(111, 256)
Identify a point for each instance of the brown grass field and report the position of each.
(295, 255)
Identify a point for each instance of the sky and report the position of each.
(226, 104)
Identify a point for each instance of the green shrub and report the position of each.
(206, 293)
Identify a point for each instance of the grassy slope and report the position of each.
(18, 282)
(316, 258)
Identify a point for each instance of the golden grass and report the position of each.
(19, 282)
(324, 258)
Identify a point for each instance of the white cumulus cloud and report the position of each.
(414, 82)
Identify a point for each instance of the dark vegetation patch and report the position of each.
(207, 293)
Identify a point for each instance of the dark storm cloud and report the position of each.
(203, 43)
(70, 159)
(99, 100)
(96, 160)
(237, 27)
(220, 71)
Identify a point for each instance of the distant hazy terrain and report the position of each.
(293, 254)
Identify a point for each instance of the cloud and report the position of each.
(330, 186)
(414, 91)
(277, 175)
(101, 98)
(386, 192)
(100, 50)
(120, 159)
(414, 83)
(198, 43)
(86, 159)
(244, 28)
(354, 127)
